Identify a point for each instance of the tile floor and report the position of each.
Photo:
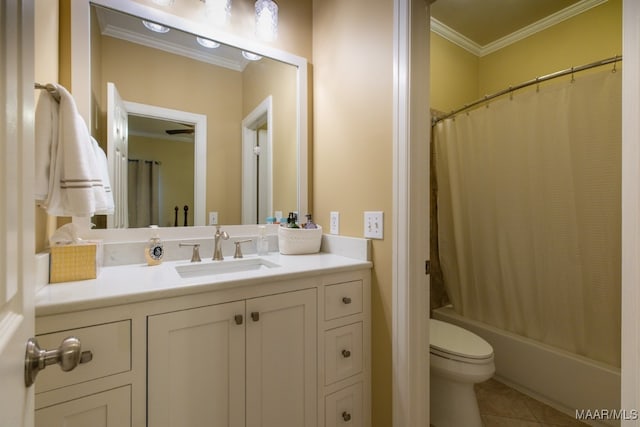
(502, 406)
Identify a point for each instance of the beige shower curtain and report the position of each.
(529, 213)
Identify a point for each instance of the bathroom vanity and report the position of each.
(286, 343)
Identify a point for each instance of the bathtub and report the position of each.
(561, 379)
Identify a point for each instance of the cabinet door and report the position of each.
(196, 367)
(107, 409)
(281, 360)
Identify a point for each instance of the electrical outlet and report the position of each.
(213, 218)
(373, 225)
(334, 223)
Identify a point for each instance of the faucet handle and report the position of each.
(238, 253)
(195, 255)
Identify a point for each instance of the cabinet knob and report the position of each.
(346, 300)
(255, 316)
(346, 416)
(238, 319)
(346, 353)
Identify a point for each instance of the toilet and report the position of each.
(458, 360)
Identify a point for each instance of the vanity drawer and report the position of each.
(343, 299)
(344, 408)
(343, 352)
(110, 344)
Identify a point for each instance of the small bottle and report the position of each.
(262, 245)
(310, 224)
(154, 250)
(291, 221)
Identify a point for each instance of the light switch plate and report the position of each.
(373, 225)
(334, 223)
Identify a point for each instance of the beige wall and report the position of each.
(454, 75)
(588, 37)
(259, 80)
(459, 77)
(352, 154)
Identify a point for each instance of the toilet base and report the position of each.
(453, 404)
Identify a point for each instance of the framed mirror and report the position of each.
(254, 158)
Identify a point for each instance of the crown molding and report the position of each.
(134, 37)
(479, 50)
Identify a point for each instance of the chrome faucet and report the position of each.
(217, 244)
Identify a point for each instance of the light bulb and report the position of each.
(266, 20)
(207, 43)
(155, 27)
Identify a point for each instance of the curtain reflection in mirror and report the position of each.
(144, 192)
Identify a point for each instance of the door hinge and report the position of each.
(427, 267)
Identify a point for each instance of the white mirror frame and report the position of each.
(81, 69)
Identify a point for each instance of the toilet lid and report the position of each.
(454, 340)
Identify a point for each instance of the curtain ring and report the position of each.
(537, 84)
(510, 93)
(615, 62)
(573, 76)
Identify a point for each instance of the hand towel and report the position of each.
(104, 202)
(46, 129)
(75, 181)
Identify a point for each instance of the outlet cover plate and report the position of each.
(213, 218)
(334, 223)
(373, 225)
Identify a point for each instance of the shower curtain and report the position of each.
(143, 192)
(529, 213)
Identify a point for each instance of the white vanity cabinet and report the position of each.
(284, 352)
(203, 362)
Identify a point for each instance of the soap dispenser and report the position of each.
(154, 249)
(262, 245)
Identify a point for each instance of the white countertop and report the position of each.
(140, 282)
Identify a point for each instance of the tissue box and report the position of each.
(298, 241)
(75, 262)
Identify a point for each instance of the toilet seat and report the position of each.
(455, 343)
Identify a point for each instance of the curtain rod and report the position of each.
(537, 80)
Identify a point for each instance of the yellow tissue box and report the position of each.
(74, 262)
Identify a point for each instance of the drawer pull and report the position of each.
(346, 416)
(346, 300)
(238, 319)
(255, 316)
(346, 353)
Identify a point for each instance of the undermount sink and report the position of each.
(223, 267)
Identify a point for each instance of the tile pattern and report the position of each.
(502, 406)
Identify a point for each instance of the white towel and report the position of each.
(76, 172)
(46, 122)
(104, 206)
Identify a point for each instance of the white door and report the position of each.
(17, 222)
(118, 156)
(257, 164)
(281, 360)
